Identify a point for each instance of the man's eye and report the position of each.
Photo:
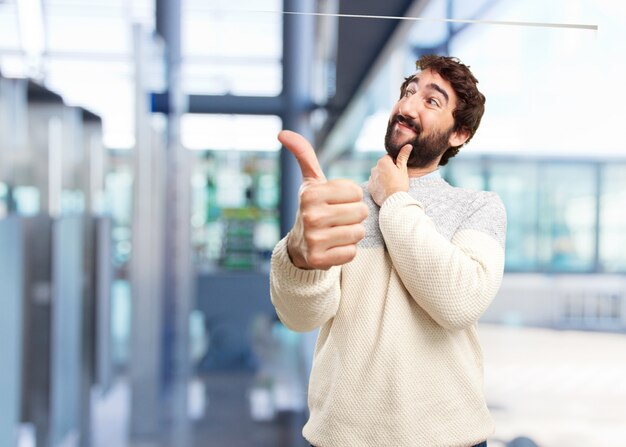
(433, 102)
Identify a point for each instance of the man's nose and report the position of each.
(410, 106)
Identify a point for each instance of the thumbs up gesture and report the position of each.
(329, 222)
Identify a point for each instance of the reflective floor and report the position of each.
(227, 421)
(558, 388)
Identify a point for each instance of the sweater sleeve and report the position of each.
(453, 280)
(304, 299)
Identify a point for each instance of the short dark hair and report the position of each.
(470, 102)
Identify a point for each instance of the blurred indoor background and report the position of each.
(142, 190)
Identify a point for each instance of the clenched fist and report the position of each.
(329, 222)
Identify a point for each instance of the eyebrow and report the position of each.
(433, 86)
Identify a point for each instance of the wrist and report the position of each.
(394, 198)
(390, 192)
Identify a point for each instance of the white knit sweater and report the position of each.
(397, 361)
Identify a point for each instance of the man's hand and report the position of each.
(329, 222)
(388, 177)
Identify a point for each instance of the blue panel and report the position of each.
(66, 326)
(104, 283)
(230, 302)
(11, 291)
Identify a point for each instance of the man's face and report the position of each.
(423, 118)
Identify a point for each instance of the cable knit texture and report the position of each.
(397, 361)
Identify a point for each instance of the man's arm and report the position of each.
(304, 299)
(454, 281)
(304, 277)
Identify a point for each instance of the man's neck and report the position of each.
(420, 172)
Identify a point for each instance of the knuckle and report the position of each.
(350, 253)
(353, 189)
(305, 196)
(347, 185)
(309, 194)
(359, 232)
(311, 239)
(316, 260)
(364, 211)
(311, 219)
(358, 191)
(317, 240)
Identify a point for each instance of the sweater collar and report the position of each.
(432, 175)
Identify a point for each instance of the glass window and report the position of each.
(518, 186)
(242, 77)
(357, 167)
(119, 198)
(27, 200)
(4, 205)
(83, 35)
(567, 217)
(465, 173)
(9, 31)
(234, 217)
(551, 211)
(88, 57)
(431, 33)
(530, 76)
(232, 49)
(230, 132)
(613, 219)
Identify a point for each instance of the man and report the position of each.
(396, 275)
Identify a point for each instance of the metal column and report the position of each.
(298, 51)
(145, 361)
(177, 267)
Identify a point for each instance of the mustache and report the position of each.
(407, 122)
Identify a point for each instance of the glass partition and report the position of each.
(612, 234)
(517, 183)
(567, 217)
(218, 55)
(564, 216)
(234, 217)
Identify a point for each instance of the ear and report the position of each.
(458, 138)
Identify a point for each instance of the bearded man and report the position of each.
(396, 274)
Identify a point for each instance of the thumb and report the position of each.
(304, 153)
(403, 157)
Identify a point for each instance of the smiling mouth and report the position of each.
(406, 126)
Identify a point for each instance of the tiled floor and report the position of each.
(558, 388)
(227, 420)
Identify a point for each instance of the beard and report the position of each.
(426, 148)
